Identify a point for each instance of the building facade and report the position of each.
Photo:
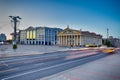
(70, 37)
(2, 37)
(115, 42)
(39, 35)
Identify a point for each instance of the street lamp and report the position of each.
(15, 20)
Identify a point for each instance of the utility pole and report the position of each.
(15, 20)
(106, 41)
(107, 33)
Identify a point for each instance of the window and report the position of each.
(28, 35)
(34, 34)
(31, 36)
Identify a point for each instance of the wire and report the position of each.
(12, 24)
(17, 27)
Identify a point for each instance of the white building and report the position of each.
(70, 37)
(39, 35)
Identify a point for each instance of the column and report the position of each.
(63, 40)
(77, 40)
(60, 40)
(80, 40)
(74, 41)
(66, 40)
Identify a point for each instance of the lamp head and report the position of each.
(11, 16)
(18, 17)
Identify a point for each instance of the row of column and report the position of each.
(68, 40)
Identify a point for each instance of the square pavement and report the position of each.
(107, 68)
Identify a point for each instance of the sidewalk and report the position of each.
(107, 68)
(7, 51)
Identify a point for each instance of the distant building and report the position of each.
(70, 37)
(115, 42)
(39, 35)
(2, 37)
(111, 42)
(17, 36)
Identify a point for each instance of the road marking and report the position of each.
(3, 63)
(40, 69)
(81, 52)
(38, 64)
(31, 58)
(80, 55)
(53, 55)
(9, 70)
(20, 59)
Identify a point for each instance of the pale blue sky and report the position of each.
(91, 15)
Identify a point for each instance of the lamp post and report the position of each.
(15, 20)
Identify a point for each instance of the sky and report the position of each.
(87, 15)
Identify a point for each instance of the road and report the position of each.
(38, 66)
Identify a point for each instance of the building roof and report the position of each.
(68, 31)
(33, 28)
